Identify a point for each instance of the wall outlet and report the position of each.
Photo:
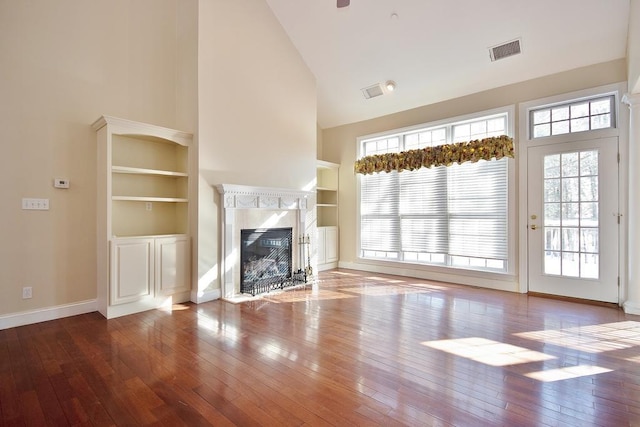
(27, 292)
(149, 206)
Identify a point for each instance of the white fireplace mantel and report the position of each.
(239, 197)
(249, 197)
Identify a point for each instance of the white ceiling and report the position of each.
(438, 49)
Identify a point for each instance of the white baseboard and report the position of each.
(631, 307)
(46, 314)
(200, 297)
(58, 312)
(478, 279)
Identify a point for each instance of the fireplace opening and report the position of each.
(266, 261)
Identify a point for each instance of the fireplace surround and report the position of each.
(249, 207)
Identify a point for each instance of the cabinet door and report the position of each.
(322, 258)
(172, 265)
(331, 244)
(132, 274)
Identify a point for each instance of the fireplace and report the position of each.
(257, 209)
(266, 260)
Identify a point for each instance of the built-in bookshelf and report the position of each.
(327, 175)
(143, 215)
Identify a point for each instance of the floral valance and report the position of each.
(441, 155)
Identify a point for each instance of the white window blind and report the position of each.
(454, 216)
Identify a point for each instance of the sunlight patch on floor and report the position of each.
(344, 273)
(487, 351)
(592, 338)
(550, 375)
(384, 279)
(381, 290)
(633, 359)
(297, 296)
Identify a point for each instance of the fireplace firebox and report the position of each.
(266, 260)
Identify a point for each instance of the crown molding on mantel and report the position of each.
(250, 197)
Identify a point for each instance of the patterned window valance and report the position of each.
(441, 155)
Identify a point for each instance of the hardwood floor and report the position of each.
(356, 349)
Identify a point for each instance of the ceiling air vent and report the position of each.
(504, 50)
(372, 91)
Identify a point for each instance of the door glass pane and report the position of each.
(570, 264)
(589, 188)
(552, 263)
(552, 190)
(552, 214)
(552, 166)
(571, 221)
(570, 188)
(589, 163)
(589, 265)
(569, 163)
(570, 240)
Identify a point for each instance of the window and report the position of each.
(573, 117)
(454, 216)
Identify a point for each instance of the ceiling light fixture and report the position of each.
(390, 85)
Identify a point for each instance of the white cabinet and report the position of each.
(327, 215)
(172, 261)
(131, 270)
(144, 256)
(327, 247)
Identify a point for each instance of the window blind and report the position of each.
(455, 215)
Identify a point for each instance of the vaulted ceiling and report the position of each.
(439, 49)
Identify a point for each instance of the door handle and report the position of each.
(533, 227)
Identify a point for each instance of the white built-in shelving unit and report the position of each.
(327, 214)
(143, 216)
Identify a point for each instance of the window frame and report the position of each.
(510, 270)
(568, 103)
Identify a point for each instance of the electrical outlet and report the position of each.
(27, 292)
(149, 206)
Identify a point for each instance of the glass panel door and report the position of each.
(573, 219)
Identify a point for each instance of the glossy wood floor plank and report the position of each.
(353, 349)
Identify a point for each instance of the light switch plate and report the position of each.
(35, 204)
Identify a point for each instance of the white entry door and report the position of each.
(573, 219)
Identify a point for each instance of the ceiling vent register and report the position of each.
(373, 91)
(505, 50)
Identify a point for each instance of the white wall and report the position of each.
(633, 47)
(257, 113)
(64, 64)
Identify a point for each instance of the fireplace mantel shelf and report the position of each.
(250, 197)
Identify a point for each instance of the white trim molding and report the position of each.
(45, 314)
(198, 297)
(631, 303)
(631, 99)
(248, 197)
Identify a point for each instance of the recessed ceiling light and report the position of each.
(390, 85)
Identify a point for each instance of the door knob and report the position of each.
(533, 227)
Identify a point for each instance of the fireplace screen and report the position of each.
(266, 260)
